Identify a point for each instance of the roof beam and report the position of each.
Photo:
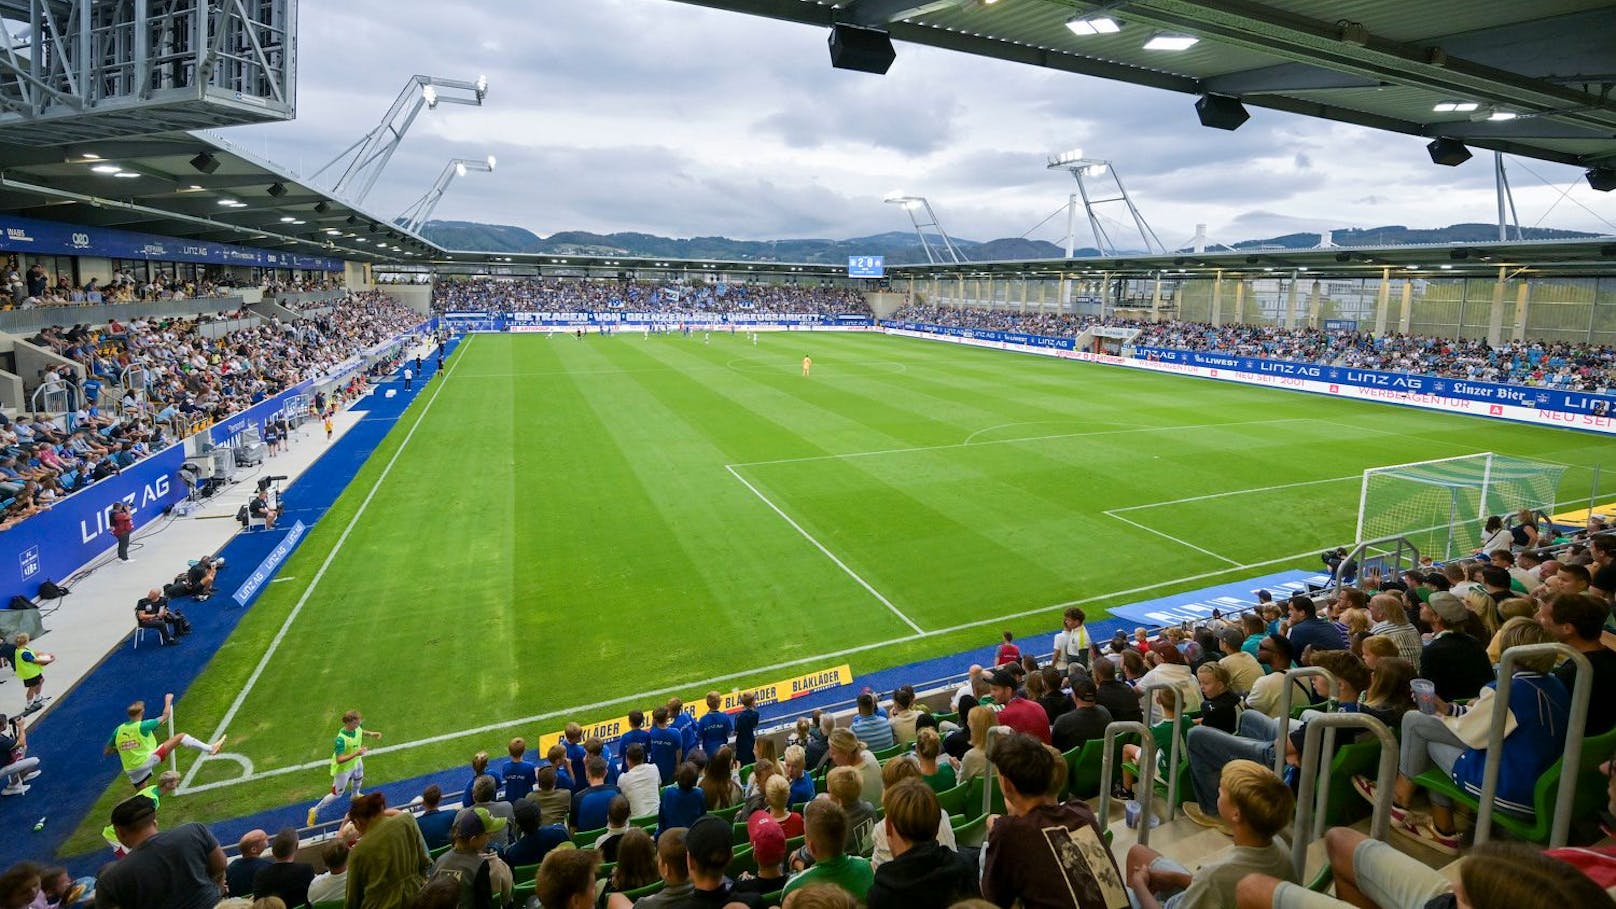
(1285, 77)
(882, 12)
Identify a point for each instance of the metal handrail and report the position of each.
(1570, 764)
(1314, 765)
(143, 394)
(1147, 774)
(1396, 554)
(1285, 698)
(67, 390)
(1174, 751)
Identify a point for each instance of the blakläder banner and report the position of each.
(29, 235)
(78, 528)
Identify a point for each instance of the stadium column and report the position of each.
(959, 298)
(1240, 301)
(1290, 304)
(1405, 319)
(1495, 316)
(1155, 300)
(1523, 306)
(1023, 293)
(1315, 300)
(1383, 302)
(1217, 298)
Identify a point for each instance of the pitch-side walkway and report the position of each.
(98, 671)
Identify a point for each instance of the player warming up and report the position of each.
(135, 745)
(347, 761)
(807, 365)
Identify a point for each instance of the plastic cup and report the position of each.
(1424, 695)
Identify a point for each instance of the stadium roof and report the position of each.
(1590, 257)
(1386, 64)
(178, 187)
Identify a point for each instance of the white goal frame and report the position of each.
(1484, 488)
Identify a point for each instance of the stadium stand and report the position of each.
(565, 295)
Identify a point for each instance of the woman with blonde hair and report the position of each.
(936, 769)
(975, 762)
(1377, 647)
(1485, 608)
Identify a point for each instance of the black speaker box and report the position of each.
(866, 50)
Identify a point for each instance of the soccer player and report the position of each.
(807, 365)
(167, 782)
(347, 761)
(135, 745)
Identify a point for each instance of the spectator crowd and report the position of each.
(693, 300)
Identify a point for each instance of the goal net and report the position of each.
(1441, 506)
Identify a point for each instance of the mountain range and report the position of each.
(899, 247)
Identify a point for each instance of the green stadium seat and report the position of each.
(742, 862)
(523, 873)
(795, 843)
(605, 870)
(1589, 798)
(886, 754)
(1083, 765)
(729, 813)
(585, 839)
(746, 774)
(440, 850)
(798, 806)
(329, 904)
(738, 834)
(946, 718)
(647, 890)
(520, 894)
(973, 832)
(773, 899)
(956, 801)
(648, 822)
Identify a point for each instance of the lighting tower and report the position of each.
(914, 204)
(417, 214)
(1085, 169)
(368, 157)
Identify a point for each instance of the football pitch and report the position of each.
(562, 529)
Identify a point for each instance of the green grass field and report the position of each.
(572, 524)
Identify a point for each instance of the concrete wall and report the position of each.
(269, 309)
(32, 360)
(11, 396)
(416, 296)
(356, 275)
(884, 303)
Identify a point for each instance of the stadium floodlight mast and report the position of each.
(915, 204)
(417, 214)
(368, 157)
(1084, 169)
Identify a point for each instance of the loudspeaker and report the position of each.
(866, 50)
(205, 163)
(322, 207)
(1221, 112)
(1602, 179)
(277, 189)
(1448, 152)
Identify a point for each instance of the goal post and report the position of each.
(1441, 505)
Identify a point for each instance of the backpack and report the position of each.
(50, 590)
(21, 602)
(480, 885)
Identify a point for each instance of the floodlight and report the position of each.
(1502, 115)
(322, 207)
(106, 168)
(460, 170)
(1083, 26)
(1169, 42)
(482, 86)
(126, 174)
(490, 162)
(287, 219)
(430, 95)
(1448, 152)
(227, 202)
(1602, 179)
(1449, 107)
(896, 195)
(1096, 170)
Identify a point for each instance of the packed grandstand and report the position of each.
(910, 798)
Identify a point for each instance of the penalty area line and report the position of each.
(275, 644)
(704, 684)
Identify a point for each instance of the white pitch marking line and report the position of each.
(331, 556)
(1236, 492)
(1063, 435)
(828, 554)
(729, 677)
(278, 580)
(1168, 536)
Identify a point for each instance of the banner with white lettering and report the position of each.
(54, 544)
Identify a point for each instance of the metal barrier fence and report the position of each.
(1174, 753)
(1570, 763)
(1147, 774)
(1313, 791)
(1286, 698)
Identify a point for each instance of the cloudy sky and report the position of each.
(656, 116)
